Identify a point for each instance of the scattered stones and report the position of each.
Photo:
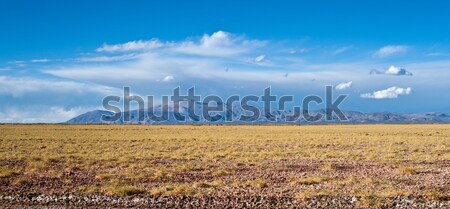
(71, 201)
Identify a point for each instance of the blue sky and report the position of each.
(60, 58)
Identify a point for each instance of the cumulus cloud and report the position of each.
(167, 78)
(220, 43)
(131, 46)
(219, 38)
(389, 93)
(391, 50)
(392, 70)
(344, 85)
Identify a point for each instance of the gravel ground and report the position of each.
(69, 201)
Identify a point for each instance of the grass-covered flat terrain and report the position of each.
(225, 166)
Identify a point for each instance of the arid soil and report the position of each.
(315, 174)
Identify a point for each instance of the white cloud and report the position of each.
(389, 93)
(344, 85)
(40, 114)
(342, 50)
(438, 54)
(167, 78)
(220, 43)
(131, 46)
(260, 58)
(50, 100)
(392, 70)
(154, 67)
(107, 58)
(219, 38)
(19, 86)
(18, 63)
(391, 50)
(40, 60)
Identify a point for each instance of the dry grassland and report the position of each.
(368, 165)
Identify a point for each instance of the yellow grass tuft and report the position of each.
(7, 172)
(407, 170)
(125, 190)
(310, 180)
(174, 190)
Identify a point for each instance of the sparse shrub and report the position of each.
(217, 183)
(305, 195)
(203, 185)
(7, 172)
(183, 189)
(433, 195)
(35, 158)
(393, 193)
(21, 180)
(160, 191)
(88, 189)
(161, 174)
(52, 160)
(258, 183)
(310, 180)
(104, 177)
(36, 167)
(221, 172)
(174, 190)
(406, 170)
(184, 168)
(329, 167)
(309, 194)
(125, 190)
(369, 202)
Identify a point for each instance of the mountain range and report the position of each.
(94, 117)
